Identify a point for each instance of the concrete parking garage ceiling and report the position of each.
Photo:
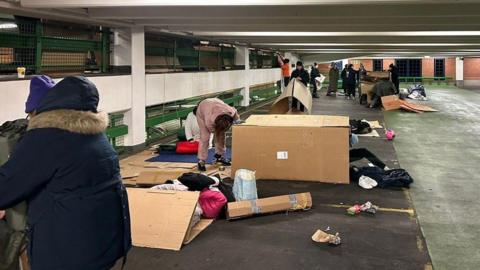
(326, 29)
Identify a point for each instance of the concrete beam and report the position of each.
(148, 3)
(61, 15)
(286, 13)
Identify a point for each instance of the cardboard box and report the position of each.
(294, 89)
(366, 89)
(293, 147)
(301, 201)
(379, 74)
(158, 177)
(161, 219)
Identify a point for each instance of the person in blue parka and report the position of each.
(66, 170)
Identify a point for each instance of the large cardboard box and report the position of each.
(293, 147)
(294, 89)
(379, 74)
(366, 89)
(161, 218)
(292, 202)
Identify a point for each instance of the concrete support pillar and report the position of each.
(242, 57)
(121, 56)
(459, 71)
(135, 118)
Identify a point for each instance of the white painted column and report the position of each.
(242, 57)
(135, 118)
(459, 69)
(122, 49)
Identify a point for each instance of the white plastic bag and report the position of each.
(245, 185)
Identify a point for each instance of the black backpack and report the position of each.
(360, 127)
(10, 133)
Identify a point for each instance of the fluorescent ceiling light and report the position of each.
(96, 3)
(331, 34)
(8, 25)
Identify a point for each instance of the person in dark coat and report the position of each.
(15, 222)
(343, 76)
(66, 170)
(332, 80)
(351, 81)
(313, 75)
(394, 77)
(362, 72)
(301, 75)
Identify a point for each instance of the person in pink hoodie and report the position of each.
(214, 116)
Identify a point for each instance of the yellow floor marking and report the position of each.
(409, 211)
(419, 243)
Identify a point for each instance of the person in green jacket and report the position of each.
(332, 79)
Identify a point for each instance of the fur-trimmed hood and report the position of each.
(82, 122)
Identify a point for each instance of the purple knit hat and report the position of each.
(39, 86)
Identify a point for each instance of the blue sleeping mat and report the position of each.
(172, 156)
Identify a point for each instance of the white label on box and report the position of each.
(282, 155)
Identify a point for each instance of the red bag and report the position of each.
(187, 147)
(211, 202)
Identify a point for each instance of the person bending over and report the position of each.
(214, 116)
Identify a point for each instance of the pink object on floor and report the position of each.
(390, 134)
(211, 202)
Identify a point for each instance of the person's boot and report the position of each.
(201, 166)
(222, 160)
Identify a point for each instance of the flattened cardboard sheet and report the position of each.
(161, 218)
(391, 103)
(294, 89)
(158, 177)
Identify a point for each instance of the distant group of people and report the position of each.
(350, 77)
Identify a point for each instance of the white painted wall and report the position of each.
(163, 88)
(115, 96)
(116, 91)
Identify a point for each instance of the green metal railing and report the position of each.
(264, 93)
(116, 130)
(261, 59)
(429, 80)
(174, 53)
(41, 47)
